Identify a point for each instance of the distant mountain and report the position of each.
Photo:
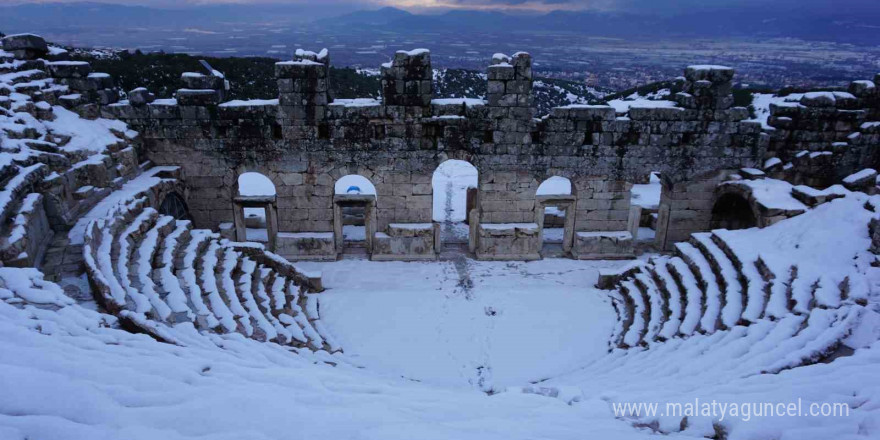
(841, 25)
(855, 21)
(379, 17)
(41, 17)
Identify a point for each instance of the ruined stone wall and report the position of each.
(304, 142)
(825, 136)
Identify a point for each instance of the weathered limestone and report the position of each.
(508, 241)
(306, 141)
(408, 79)
(25, 46)
(304, 88)
(407, 241)
(607, 245)
(825, 136)
(306, 246)
(140, 96)
(706, 87)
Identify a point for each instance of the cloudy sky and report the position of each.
(659, 6)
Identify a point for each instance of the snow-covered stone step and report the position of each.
(17, 187)
(635, 334)
(624, 318)
(757, 290)
(27, 233)
(207, 276)
(245, 288)
(264, 277)
(693, 296)
(168, 285)
(313, 314)
(127, 245)
(177, 245)
(193, 258)
(229, 263)
(658, 312)
(713, 300)
(824, 331)
(299, 306)
(728, 278)
(674, 299)
(142, 268)
(779, 301)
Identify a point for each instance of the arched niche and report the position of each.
(555, 207)
(455, 193)
(354, 211)
(255, 209)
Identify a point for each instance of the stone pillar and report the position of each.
(507, 195)
(632, 223)
(303, 87)
(510, 98)
(408, 80)
(706, 87)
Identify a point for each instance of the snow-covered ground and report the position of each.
(647, 195)
(69, 375)
(513, 326)
(450, 182)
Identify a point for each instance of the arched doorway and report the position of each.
(173, 205)
(454, 186)
(256, 203)
(354, 212)
(732, 211)
(645, 204)
(554, 214)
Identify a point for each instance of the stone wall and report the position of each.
(826, 136)
(304, 142)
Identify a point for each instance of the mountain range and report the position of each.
(777, 19)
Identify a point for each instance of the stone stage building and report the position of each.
(305, 141)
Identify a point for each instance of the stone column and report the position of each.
(408, 79)
(507, 195)
(303, 87)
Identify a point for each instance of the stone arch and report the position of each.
(454, 192)
(354, 211)
(354, 184)
(645, 197)
(555, 210)
(174, 205)
(732, 208)
(255, 209)
(254, 183)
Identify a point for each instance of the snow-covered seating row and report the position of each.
(723, 279)
(770, 360)
(155, 272)
(55, 164)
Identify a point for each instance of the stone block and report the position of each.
(603, 245)
(69, 69)
(306, 246)
(26, 46)
(508, 241)
(197, 97)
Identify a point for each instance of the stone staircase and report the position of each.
(155, 272)
(716, 282)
